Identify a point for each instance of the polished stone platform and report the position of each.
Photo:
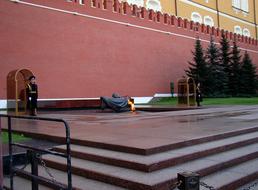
(140, 132)
(145, 150)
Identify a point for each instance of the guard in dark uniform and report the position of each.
(198, 94)
(32, 96)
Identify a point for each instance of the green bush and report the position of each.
(15, 137)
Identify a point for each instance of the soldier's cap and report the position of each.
(32, 77)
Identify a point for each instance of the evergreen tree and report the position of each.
(234, 71)
(249, 77)
(225, 62)
(198, 68)
(215, 69)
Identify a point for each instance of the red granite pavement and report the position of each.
(142, 129)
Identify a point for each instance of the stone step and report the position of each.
(21, 182)
(154, 162)
(163, 148)
(161, 179)
(253, 185)
(233, 177)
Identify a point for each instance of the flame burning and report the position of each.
(131, 103)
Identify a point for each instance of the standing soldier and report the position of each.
(32, 95)
(198, 94)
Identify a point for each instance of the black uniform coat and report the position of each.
(32, 96)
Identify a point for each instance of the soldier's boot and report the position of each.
(35, 112)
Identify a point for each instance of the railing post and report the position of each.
(68, 153)
(32, 156)
(33, 153)
(10, 150)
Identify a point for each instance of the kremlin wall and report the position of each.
(99, 47)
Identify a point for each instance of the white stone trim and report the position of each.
(164, 95)
(56, 99)
(3, 104)
(137, 100)
(142, 100)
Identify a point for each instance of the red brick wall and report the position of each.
(76, 56)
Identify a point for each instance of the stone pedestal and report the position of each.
(189, 181)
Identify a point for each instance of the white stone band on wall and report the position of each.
(3, 104)
(137, 100)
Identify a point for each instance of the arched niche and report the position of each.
(16, 90)
(186, 92)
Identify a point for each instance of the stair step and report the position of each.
(163, 148)
(138, 180)
(253, 185)
(233, 177)
(154, 162)
(81, 182)
(78, 182)
(20, 183)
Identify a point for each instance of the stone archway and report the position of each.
(16, 90)
(186, 92)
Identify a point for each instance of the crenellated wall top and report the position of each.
(131, 15)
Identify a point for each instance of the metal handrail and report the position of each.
(68, 147)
